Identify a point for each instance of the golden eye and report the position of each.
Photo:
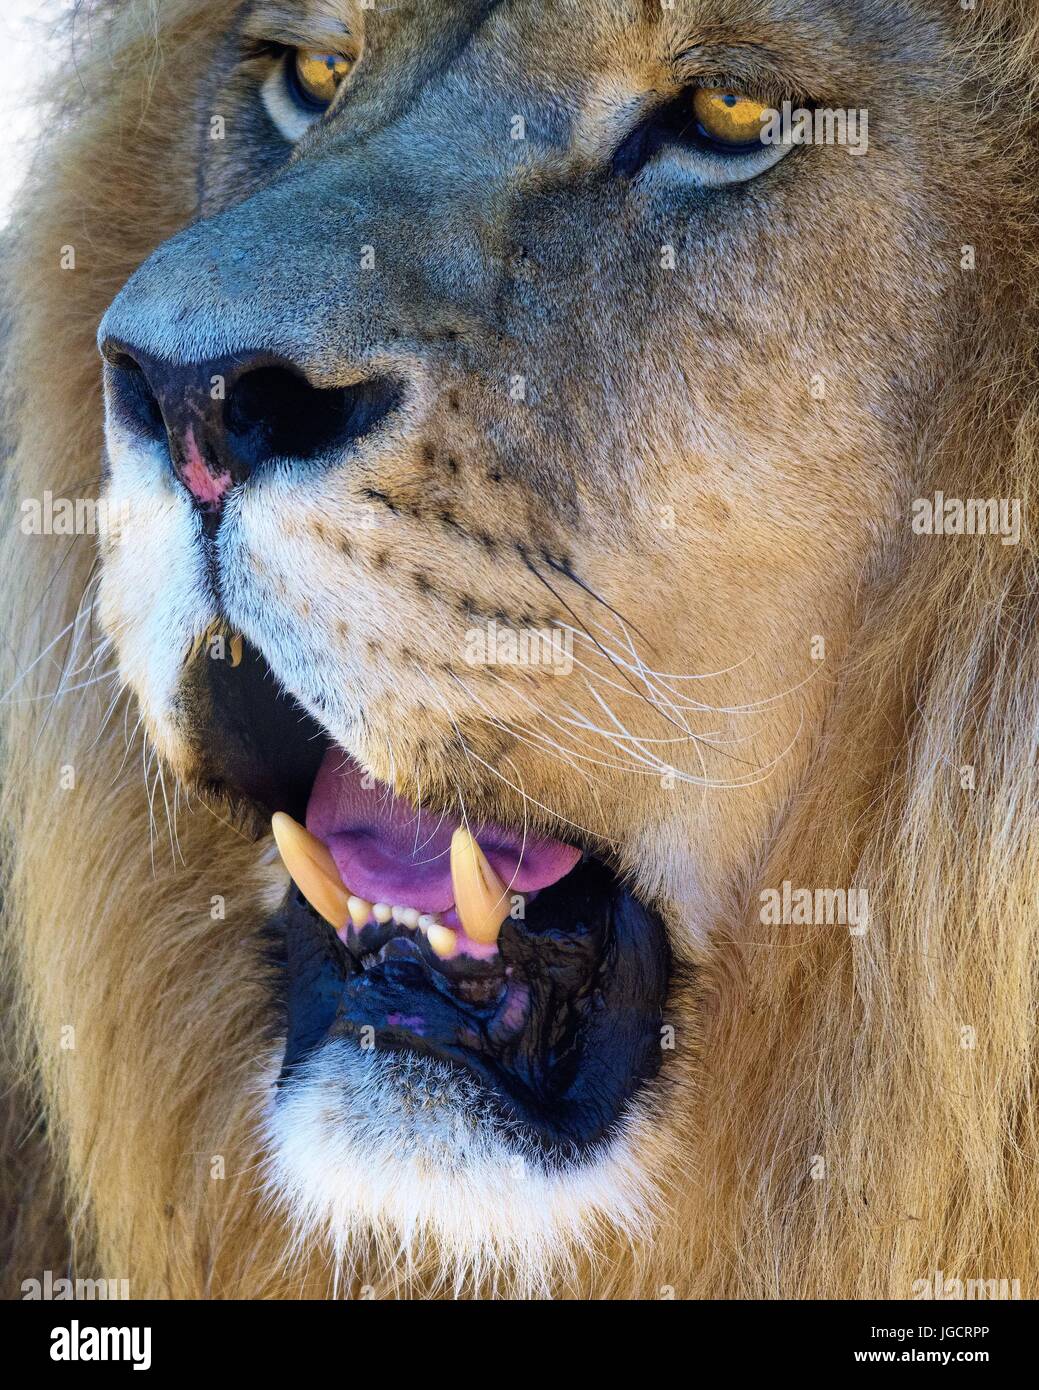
(318, 75)
(730, 118)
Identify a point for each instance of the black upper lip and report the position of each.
(256, 747)
(560, 1029)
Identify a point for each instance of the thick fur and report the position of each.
(794, 1044)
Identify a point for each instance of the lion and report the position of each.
(527, 789)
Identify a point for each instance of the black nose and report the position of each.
(225, 419)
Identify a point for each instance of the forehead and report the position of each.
(828, 40)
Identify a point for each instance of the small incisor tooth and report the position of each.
(442, 940)
(359, 911)
(312, 869)
(481, 898)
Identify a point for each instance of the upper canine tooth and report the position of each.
(481, 898)
(312, 869)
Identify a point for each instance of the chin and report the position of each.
(398, 1148)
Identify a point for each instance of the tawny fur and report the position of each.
(794, 1046)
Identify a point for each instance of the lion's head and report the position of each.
(512, 469)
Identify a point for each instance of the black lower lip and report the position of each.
(593, 964)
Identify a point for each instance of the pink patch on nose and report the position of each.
(200, 480)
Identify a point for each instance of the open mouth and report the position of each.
(522, 959)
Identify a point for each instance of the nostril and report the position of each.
(131, 398)
(266, 409)
(274, 412)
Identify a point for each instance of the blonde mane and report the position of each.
(868, 1116)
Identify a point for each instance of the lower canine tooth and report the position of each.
(481, 898)
(442, 939)
(312, 869)
(359, 911)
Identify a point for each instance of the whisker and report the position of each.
(559, 599)
(752, 706)
(475, 757)
(568, 573)
(542, 743)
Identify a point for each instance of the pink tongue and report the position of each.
(387, 852)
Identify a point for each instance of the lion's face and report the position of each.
(497, 342)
